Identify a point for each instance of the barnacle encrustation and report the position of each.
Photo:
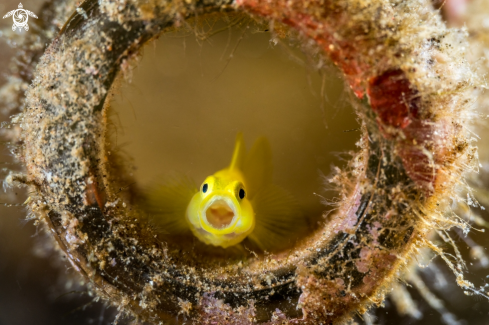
(410, 88)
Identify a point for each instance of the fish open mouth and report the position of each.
(220, 213)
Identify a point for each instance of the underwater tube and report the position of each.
(412, 93)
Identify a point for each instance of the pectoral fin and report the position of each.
(167, 203)
(279, 219)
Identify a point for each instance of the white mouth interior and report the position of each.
(220, 212)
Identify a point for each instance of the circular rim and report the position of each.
(408, 149)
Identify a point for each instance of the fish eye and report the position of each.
(204, 187)
(241, 194)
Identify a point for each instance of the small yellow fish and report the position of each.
(235, 203)
(221, 214)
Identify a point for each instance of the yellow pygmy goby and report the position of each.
(221, 214)
(234, 203)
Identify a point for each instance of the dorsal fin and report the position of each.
(239, 153)
(257, 167)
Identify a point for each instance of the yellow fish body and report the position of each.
(235, 203)
(221, 214)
